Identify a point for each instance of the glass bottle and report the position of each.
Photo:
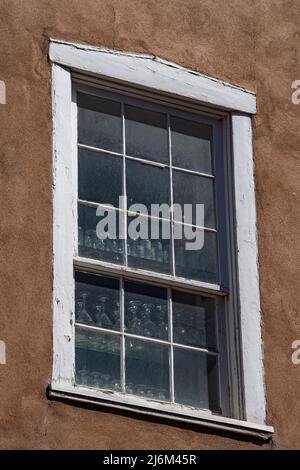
(165, 254)
(162, 322)
(147, 249)
(119, 250)
(159, 253)
(132, 314)
(115, 315)
(83, 315)
(89, 238)
(103, 319)
(80, 236)
(129, 247)
(148, 325)
(136, 326)
(141, 248)
(100, 244)
(153, 250)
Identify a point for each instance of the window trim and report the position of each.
(156, 74)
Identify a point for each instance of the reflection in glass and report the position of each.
(191, 145)
(147, 369)
(146, 310)
(146, 134)
(90, 245)
(200, 264)
(99, 177)
(193, 320)
(99, 122)
(195, 379)
(195, 189)
(97, 301)
(97, 359)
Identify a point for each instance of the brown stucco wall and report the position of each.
(253, 44)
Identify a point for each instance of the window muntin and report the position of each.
(150, 176)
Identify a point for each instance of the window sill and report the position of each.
(200, 418)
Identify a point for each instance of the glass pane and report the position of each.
(146, 134)
(194, 189)
(191, 145)
(147, 184)
(195, 379)
(90, 245)
(99, 177)
(146, 310)
(99, 122)
(193, 320)
(199, 264)
(149, 252)
(97, 359)
(147, 369)
(97, 301)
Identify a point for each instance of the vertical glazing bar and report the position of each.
(124, 208)
(171, 198)
(171, 378)
(122, 355)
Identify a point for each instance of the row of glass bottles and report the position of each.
(96, 379)
(152, 250)
(89, 241)
(105, 313)
(144, 319)
(141, 318)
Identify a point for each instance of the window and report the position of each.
(137, 338)
(152, 296)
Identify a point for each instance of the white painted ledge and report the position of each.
(154, 73)
(203, 419)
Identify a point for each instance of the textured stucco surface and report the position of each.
(253, 44)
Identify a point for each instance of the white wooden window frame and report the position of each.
(175, 85)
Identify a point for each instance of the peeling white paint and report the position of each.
(152, 72)
(2, 92)
(179, 410)
(248, 274)
(63, 198)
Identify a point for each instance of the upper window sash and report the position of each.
(217, 169)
